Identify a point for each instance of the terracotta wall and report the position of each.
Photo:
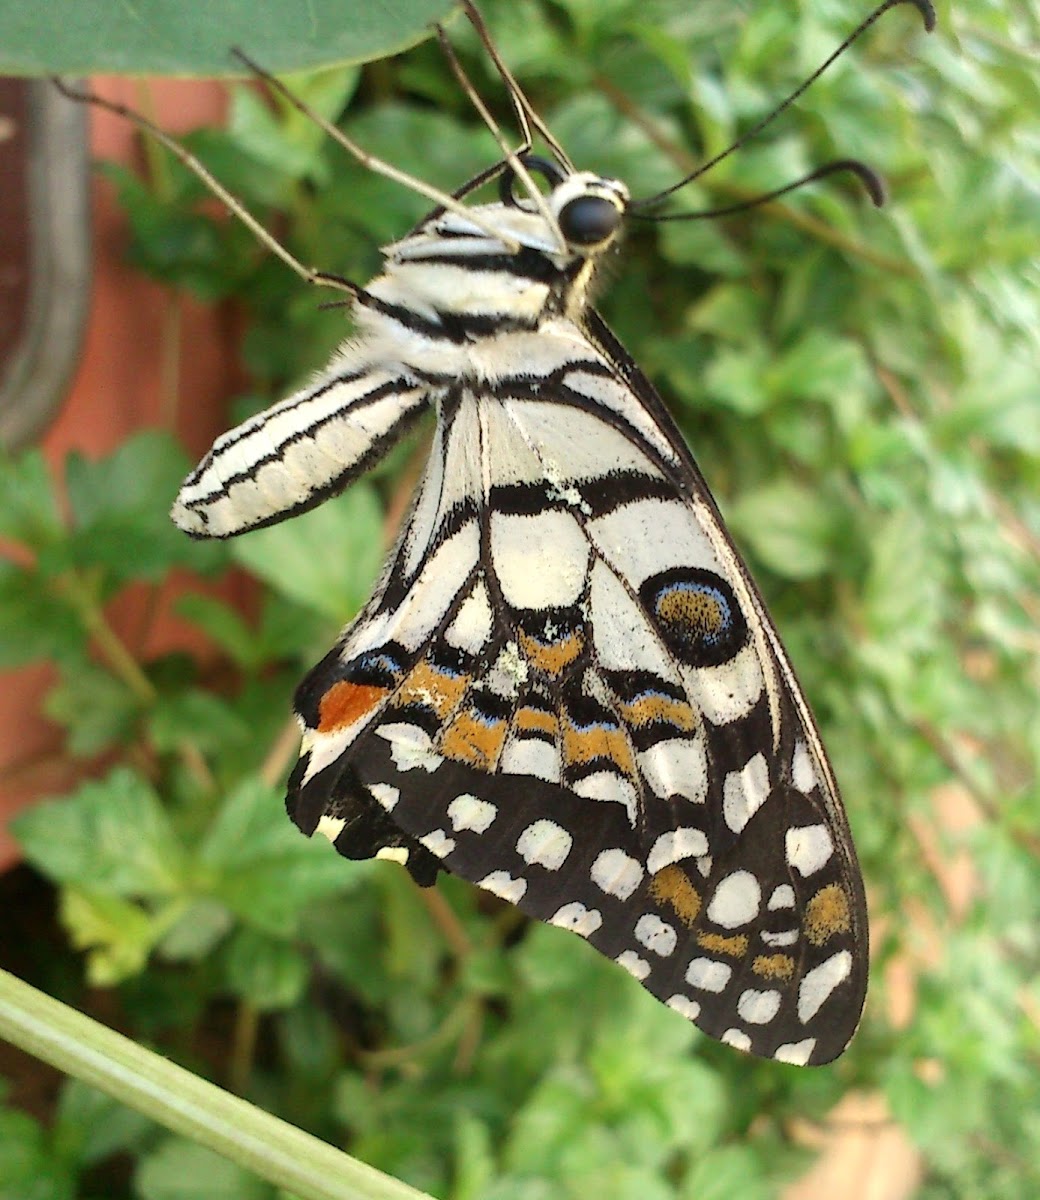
(141, 344)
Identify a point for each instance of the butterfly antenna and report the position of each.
(230, 201)
(924, 7)
(513, 157)
(871, 180)
(377, 165)
(526, 116)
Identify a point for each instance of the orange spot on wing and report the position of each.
(716, 943)
(773, 966)
(584, 745)
(435, 689)
(536, 719)
(346, 702)
(552, 657)
(671, 886)
(648, 709)
(826, 914)
(474, 741)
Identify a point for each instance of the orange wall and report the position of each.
(122, 386)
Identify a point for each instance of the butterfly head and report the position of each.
(587, 209)
(575, 215)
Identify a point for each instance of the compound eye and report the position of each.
(589, 220)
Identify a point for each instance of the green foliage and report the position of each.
(860, 389)
(193, 37)
(49, 1164)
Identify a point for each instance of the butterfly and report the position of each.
(565, 687)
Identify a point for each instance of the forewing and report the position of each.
(567, 690)
(295, 454)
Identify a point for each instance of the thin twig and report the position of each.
(793, 216)
(195, 761)
(243, 1046)
(469, 1041)
(450, 927)
(77, 590)
(989, 804)
(404, 1056)
(282, 752)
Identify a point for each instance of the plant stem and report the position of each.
(193, 1107)
(243, 1046)
(448, 924)
(285, 748)
(79, 593)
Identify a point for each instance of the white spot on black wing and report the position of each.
(809, 848)
(708, 975)
(616, 873)
(545, 843)
(736, 900)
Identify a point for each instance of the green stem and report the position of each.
(272, 1149)
(79, 593)
(243, 1045)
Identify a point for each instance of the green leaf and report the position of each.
(192, 37)
(648, 1079)
(28, 512)
(182, 1170)
(474, 1158)
(120, 505)
(821, 366)
(28, 1171)
(285, 629)
(789, 527)
(110, 836)
(198, 718)
(223, 625)
(901, 599)
(726, 1172)
(287, 142)
(347, 937)
(139, 476)
(327, 558)
(195, 932)
(554, 1116)
(35, 623)
(309, 1041)
(701, 245)
(551, 963)
(735, 378)
(267, 972)
(117, 934)
(730, 311)
(96, 709)
(89, 1125)
(259, 864)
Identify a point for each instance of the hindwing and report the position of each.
(566, 689)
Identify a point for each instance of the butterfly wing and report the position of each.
(296, 454)
(566, 689)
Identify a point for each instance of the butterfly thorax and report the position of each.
(512, 266)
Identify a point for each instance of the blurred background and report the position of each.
(860, 388)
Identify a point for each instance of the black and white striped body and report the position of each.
(565, 687)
